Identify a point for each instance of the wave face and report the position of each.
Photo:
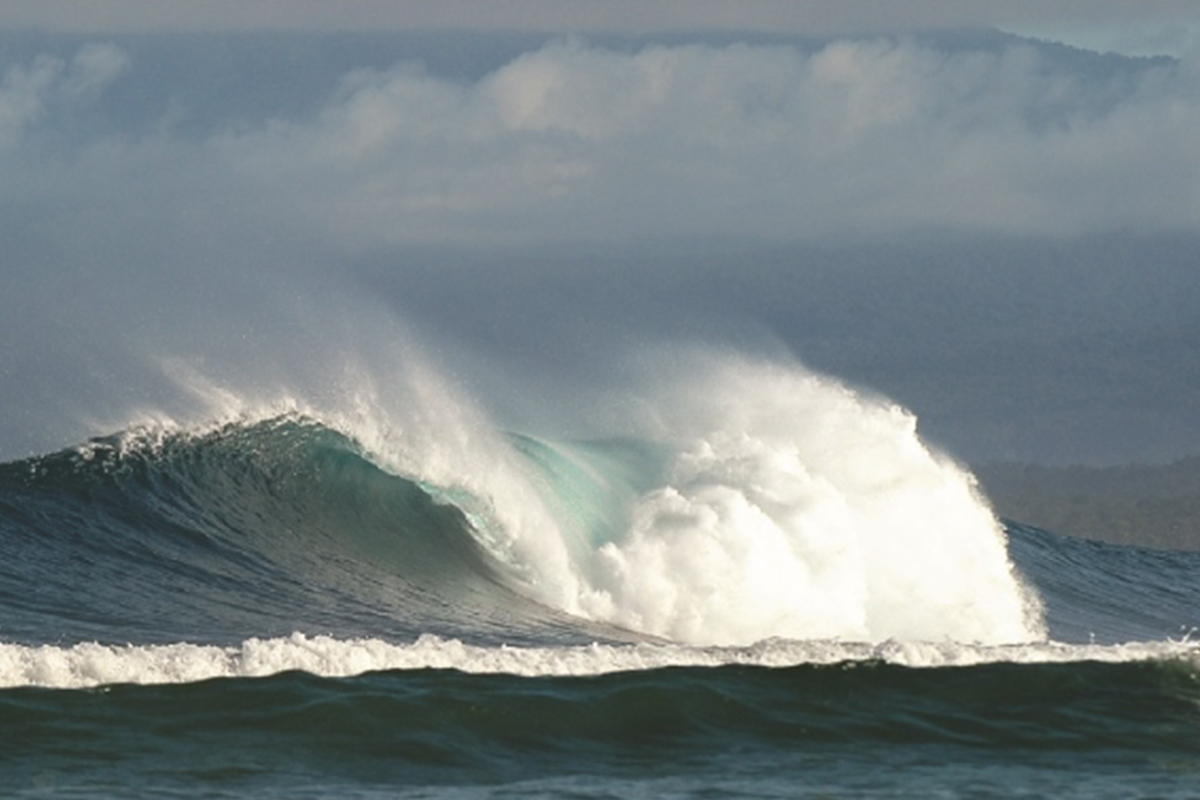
(242, 529)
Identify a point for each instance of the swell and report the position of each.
(435, 725)
(1097, 592)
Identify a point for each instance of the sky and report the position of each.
(991, 215)
(1158, 25)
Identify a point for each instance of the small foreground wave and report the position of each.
(1052, 726)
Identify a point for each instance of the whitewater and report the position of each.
(91, 664)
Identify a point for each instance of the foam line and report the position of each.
(89, 664)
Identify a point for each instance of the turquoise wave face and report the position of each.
(591, 487)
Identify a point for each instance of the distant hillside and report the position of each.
(1146, 506)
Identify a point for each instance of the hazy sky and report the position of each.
(999, 232)
(1160, 24)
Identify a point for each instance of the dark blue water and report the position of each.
(258, 609)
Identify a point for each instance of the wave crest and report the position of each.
(759, 500)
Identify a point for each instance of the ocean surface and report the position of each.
(775, 591)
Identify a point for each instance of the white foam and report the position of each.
(88, 664)
(799, 508)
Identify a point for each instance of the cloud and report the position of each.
(578, 142)
(857, 136)
(29, 93)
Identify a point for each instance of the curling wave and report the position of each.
(759, 501)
